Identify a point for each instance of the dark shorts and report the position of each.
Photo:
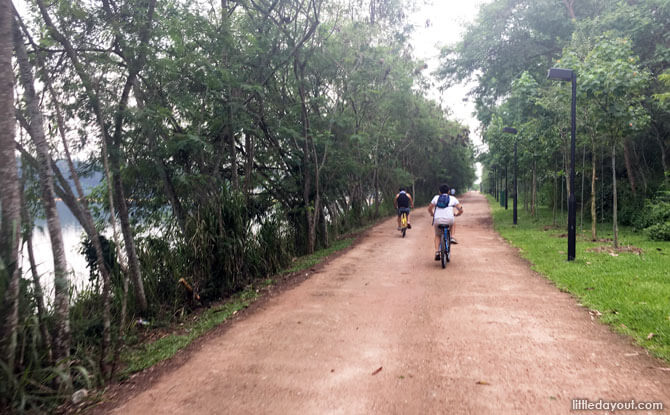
(401, 210)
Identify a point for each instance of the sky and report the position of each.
(447, 20)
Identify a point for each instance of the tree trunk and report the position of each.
(555, 196)
(534, 190)
(615, 226)
(80, 209)
(629, 167)
(128, 239)
(325, 239)
(506, 188)
(310, 208)
(61, 280)
(562, 195)
(661, 147)
(10, 204)
(168, 186)
(581, 198)
(642, 166)
(134, 66)
(602, 184)
(569, 6)
(248, 171)
(525, 194)
(594, 215)
(373, 12)
(38, 294)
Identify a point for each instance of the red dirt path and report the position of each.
(486, 335)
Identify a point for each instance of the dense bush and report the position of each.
(655, 217)
(659, 232)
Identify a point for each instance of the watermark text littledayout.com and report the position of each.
(613, 406)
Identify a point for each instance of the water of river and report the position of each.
(72, 237)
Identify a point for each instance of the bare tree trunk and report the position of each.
(594, 215)
(373, 13)
(581, 199)
(61, 280)
(525, 194)
(310, 209)
(602, 184)
(615, 226)
(323, 225)
(555, 196)
(248, 171)
(310, 163)
(629, 167)
(641, 168)
(38, 294)
(569, 6)
(562, 195)
(10, 204)
(661, 147)
(534, 190)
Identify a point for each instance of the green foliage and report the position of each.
(42, 389)
(664, 97)
(655, 217)
(613, 48)
(659, 231)
(247, 141)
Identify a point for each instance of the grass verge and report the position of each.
(630, 291)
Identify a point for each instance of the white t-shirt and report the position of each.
(445, 213)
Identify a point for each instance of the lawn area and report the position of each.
(631, 290)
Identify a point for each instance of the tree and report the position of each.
(613, 78)
(111, 141)
(36, 129)
(10, 205)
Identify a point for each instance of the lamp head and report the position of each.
(558, 74)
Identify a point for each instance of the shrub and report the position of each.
(655, 217)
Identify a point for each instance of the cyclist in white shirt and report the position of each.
(443, 215)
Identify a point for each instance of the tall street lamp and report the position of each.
(511, 130)
(565, 75)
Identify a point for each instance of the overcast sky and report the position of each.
(446, 20)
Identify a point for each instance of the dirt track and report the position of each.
(484, 336)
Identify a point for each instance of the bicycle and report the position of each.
(445, 245)
(403, 223)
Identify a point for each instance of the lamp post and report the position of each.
(511, 130)
(566, 75)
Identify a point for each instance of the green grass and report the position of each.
(148, 354)
(164, 348)
(631, 291)
(309, 261)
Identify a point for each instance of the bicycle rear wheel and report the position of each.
(447, 238)
(443, 251)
